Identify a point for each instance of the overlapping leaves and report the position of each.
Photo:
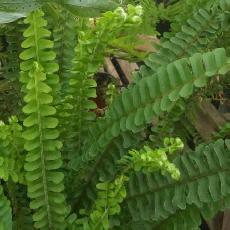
(205, 180)
(156, 94)
(5, 212)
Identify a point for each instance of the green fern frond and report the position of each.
(43, 160)
(204, 180)
(153, 95)
(188, 219)
(195, 36)
(65, 40)
(5, 212)
(22, 214)
(90, 53)
(111, 193)
(13, 39)
(180, 11)
(12, 151)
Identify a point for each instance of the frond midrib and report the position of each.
(184, 181)
(44, 177)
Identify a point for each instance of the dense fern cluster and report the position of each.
(89, 56)
(62, 166)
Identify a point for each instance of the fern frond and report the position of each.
(111, 193)
(90, 53)
(13, 39)
(153, 95)
(204, 180)
(65, 40)
(180, 11)
(83, 189)
(5, 212)
(12, 151)
(22, 214)
(43, 160)
(188, 219)
(195, 36)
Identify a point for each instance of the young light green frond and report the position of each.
(43, 160)
(89, 56)
(38, 48)
(204, 180)
(149, 160)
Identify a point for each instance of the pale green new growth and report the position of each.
(110, 194)
(43, 160)
(115, 178)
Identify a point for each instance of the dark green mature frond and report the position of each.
(5, 212)
(204, 180)
(13, 39)
(127, 113)
(65, 40)
(153, 95)
(22, 214)
(43, 160)
(83, 193)
(12, 10)
(188, 219)
(195, 36)
(88, 8)
(180, 11)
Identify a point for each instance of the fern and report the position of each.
(90, 52)
(5, 212)
(223, 132)
(111, 178)
(204, 181)
(65, 40)
(22, 214)
(105, 167)
(43, 160)
(195, 35)
(111, 193)
(180, 11)
(13, 36)
(12, 152)
(137, 105)
(188, 219)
